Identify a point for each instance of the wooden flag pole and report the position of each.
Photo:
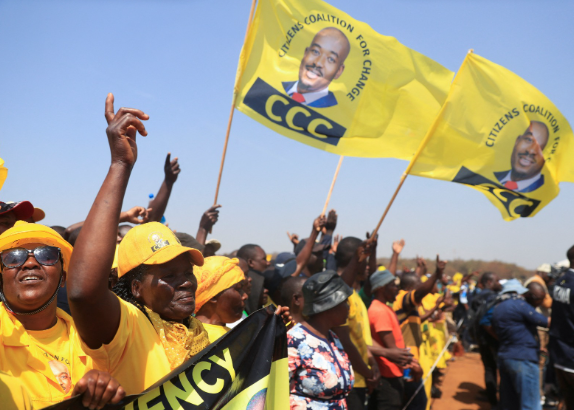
(332, 186)
(251, 12)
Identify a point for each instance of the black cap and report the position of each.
(189, 241)
(323, 291)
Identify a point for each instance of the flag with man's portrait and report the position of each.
(316, 75)
(500, 135)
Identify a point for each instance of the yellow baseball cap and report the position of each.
(23, 233)
(152, 243)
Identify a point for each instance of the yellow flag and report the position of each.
(316, 75)
(3, 173)
(500, 135)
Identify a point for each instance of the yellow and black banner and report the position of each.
(245, 369)
(314, 74)
(500, 135)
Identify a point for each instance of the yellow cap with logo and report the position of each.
(151, 244)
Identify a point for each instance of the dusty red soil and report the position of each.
(461, 384)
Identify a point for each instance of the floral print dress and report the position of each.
(320, 373)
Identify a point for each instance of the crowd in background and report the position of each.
(108, 306)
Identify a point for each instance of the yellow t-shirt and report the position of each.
(14, 395)
(360, 331)
(135, 357)
(48, 362)
(406, 309)
(214, 332)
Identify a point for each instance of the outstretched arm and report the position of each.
(96, 310)
(425, 288)
(397, 249)
(305, 254)
(208, 219)
(159, 203)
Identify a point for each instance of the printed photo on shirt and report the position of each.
(62, 374)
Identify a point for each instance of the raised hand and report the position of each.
(335, 244)
(440, 265)
(373, 240)
(398, 246)
(137, 215)
(171, 169)
(98, 389)
(319, 223)
(294, 238)
(331, 223)
(209, 217)
(122, 129)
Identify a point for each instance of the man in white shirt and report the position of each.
(323, 62)
(527, 160)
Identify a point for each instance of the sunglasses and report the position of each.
(45, 255)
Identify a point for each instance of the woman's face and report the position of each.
(168, 289)
(30, 286)
(231, 302)
(339, 313)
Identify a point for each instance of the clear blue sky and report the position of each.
(176, 60)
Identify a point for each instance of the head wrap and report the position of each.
(23, 233)
(217, 274)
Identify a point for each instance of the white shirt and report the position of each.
(521, 184)
(309, 97)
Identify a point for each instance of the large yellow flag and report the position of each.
(3, 173)
(316, 75)
(500, 135)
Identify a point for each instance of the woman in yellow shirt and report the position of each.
(220, 294)
(38, 342)
(148, 330)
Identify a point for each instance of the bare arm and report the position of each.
(354, 356)
(96, 309)
(136, 215)
(305, 254)
(358, 263)
(208, 219)
(425, 288)
(159, 203)
(397, 249)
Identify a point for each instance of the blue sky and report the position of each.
(176, 60)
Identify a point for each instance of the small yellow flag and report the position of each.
(3, 173)
(500, 135)
(316, 75)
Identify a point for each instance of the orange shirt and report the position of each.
(384, 319)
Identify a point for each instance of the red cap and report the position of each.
(22, 210)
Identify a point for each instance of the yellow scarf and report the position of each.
(179, 342)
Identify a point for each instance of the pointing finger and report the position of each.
(168, 159)
(109, 110)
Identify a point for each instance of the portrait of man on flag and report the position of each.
(323, 62)
(527, 160)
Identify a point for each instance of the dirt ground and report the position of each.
(462, 381)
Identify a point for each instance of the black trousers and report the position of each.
(566, 385)
(356, 398)
(388, 395)
(488, 356)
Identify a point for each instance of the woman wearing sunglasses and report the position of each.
(38, 342)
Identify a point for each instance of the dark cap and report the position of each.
(318, 247)
(189, 241)
(323, 291)
(22, 210)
